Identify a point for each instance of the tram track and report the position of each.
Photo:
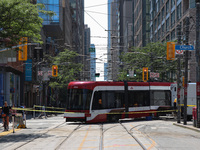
(38, 136)
(144, 135)
(101, 129)
(65, 139)
(101, 138)
(49, 130)
(134, 137)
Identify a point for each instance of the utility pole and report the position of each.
(198, 61)
(178, 75)
(186, 69)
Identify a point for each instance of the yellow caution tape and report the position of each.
(62, 112)
(48, 107)
(188, 105)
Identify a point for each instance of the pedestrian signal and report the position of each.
(54, 70)
(145, 74)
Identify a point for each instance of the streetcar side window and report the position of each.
(97, 101)
(108, 100)
(160, 98)
(138, 98)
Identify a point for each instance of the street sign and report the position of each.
(131, 73)
(179, 52)
(184, 47)
(49, 72)
(91, 49)
(40, 73)
(154, 75)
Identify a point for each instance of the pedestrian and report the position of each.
(6, 112)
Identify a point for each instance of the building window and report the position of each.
(155, 24)
(173, 35)
(172, 3)
(50, 6)
(158, 6)
(179, 11)
(155, 37)
(167, 25)
(168, 38)
(159, 35)
(167, 7)
(192, 4)
(163, 13)
(163, 29)
(151, 30)
(172, 19)
(158, 19)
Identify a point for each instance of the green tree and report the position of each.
(67, 71)
(67, 68)
(152, 56)
(20, 18)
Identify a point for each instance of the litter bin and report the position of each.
(194, 116)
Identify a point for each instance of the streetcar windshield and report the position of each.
(79, 99)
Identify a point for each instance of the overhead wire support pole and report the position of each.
(179, 76)
(198, 61)
(186, 69)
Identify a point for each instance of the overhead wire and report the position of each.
(100, 5)
(95, 21)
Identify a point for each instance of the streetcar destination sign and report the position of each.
(184, 47)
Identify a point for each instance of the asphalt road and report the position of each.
(54, 133)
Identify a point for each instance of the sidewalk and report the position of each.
(188, 126)
(28, 116)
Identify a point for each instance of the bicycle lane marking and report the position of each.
(7, 132)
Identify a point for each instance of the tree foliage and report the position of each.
(152, 56)
(67, 67)
(20, 18)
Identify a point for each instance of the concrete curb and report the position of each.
(188, 127)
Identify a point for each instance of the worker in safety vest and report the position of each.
(175, 103)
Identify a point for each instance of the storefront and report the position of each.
(9, 86)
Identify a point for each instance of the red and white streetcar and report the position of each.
(103, 101)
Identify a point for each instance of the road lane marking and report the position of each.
(8, 132)
(153, 142)
(117, 145)
(84, 139)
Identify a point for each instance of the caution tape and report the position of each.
(63, 112)
(187, 105)
(31, 109)
(48, 107)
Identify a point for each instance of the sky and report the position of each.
(97, 21)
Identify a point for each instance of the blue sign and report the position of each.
(184, 47)
(28, 70)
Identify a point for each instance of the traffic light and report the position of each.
(97, 74)
(170, 50)
(145, 74)
(22, 53)
(54, 70)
